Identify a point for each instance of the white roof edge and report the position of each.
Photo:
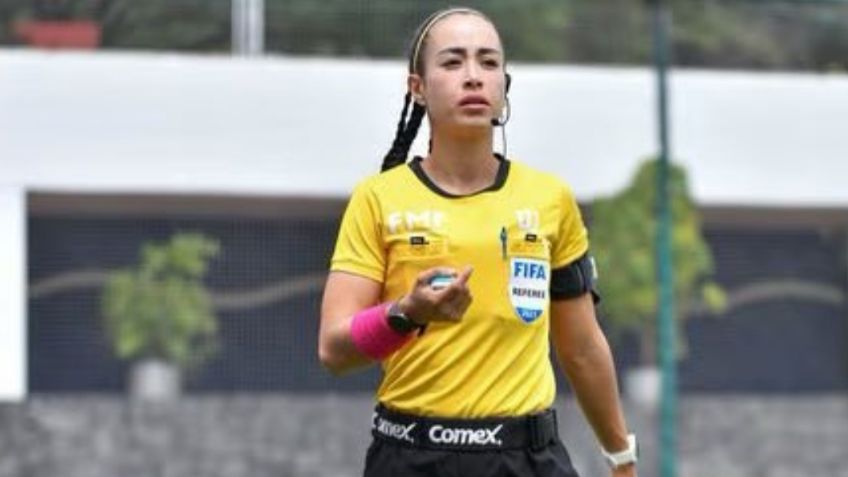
(184, 123)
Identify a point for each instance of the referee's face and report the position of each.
(463, 79)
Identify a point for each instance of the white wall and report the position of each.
(12, 293)
(314, 127)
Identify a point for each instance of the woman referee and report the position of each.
(455, 272)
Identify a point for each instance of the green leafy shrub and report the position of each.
(161, 309)
(623, 235)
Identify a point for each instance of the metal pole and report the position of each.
(236, 26)
(248, 27)
(666, 326)
(256, 27)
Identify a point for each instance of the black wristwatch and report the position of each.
(400, 322)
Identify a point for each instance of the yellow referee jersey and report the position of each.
(495, 361)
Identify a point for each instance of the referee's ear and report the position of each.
(414, 85)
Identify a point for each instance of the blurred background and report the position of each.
(172, 175)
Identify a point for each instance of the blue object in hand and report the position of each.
(441, 281)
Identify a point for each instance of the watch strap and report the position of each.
(399, 322)
(624, 457)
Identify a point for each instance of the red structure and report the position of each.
(79, 34)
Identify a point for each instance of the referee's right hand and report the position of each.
(425, 304)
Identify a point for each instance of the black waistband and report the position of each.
(534, 431)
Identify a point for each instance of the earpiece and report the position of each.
(508, 82)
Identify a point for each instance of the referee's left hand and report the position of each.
(425, 304)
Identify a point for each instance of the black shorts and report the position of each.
(409, 446)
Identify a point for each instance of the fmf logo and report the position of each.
(408, 221)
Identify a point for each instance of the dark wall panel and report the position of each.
(774, 344)
(267, 346)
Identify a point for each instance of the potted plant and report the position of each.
(624, 243)
(159, 314)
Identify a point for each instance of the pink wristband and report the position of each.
(372, 336)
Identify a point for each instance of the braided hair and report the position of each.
(407, 128)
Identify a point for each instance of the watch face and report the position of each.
(401, 324)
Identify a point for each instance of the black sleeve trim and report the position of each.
(575, 279)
